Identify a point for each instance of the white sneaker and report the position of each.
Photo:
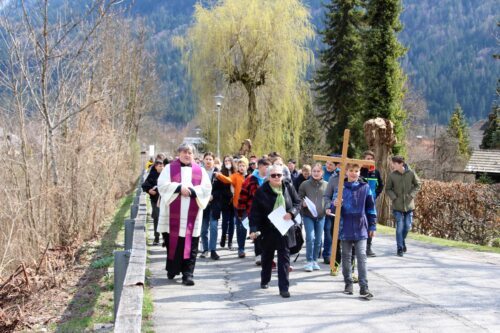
(308, 267)
(316, 266)
(257, 260)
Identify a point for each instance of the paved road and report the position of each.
(431, 289)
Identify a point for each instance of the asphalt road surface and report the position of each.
(430, 289)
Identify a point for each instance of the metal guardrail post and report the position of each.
(129, 233)
(136, 199)
(134, 209)
(120, 269)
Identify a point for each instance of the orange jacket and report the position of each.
(236, 179)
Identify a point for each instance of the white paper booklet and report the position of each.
(246, 223)
(276, 218)
(311, 206)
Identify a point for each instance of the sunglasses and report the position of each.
(276, 175)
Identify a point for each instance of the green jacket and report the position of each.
(402, 189)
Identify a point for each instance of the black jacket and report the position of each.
(151, 182)
(263, 205)
(374, 179)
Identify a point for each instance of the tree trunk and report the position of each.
(252, 113)
(380, 138)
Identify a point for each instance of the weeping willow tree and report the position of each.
(254, 52)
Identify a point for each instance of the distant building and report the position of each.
(196, 141)
(485, 161)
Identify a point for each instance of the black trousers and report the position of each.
(155, 214)
(283, 265)
(178, 264)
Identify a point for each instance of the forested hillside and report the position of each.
(450, 45)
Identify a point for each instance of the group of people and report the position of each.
(188, 199)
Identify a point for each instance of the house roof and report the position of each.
(484, 160)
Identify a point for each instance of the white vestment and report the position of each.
(167, 188)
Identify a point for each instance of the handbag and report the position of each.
(299, 239)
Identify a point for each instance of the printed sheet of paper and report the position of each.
(246, 223)
(276, 218)
(311, 206)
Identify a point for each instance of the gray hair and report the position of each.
(274, 167)
(185, 147)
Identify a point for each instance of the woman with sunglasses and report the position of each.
(272, 194)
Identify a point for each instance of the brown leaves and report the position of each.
(458, 211)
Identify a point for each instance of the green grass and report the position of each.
(439, 241)
(93, 302)
(147, 308)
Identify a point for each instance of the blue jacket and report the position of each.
(358, 214)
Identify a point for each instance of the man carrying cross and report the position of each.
(357, 209)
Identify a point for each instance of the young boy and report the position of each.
(357, 222)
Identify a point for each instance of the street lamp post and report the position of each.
(218, 105)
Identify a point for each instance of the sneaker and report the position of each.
(264, 286)
(334, 271)
(316, 266)
(308, 267)
(348, 290)
(204, 254)
(187, 281)
(285, 294)
(290, 268)
(214, 255)
(365, 292)
(355, 278)
(257, 260)
(404, 248)
(241, 255)
(400, 252)
(230, 246)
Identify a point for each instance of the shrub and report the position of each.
(458, 211)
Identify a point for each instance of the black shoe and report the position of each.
(223, 241)
(170, 276)
(400, 252)
(326, 261)
(214, 255)
(264, 286)
(155, 242)
(365, 292)
(284, 294)
(404, 248)
(187, 281)
(348, 289)
(204, 254)
(230, 246)
(369, 252)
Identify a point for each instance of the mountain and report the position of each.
(450, 46)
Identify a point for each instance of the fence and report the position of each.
(130, 269)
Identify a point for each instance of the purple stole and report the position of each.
(175, 211)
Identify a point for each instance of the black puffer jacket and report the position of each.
(151, 182)
(263, 205)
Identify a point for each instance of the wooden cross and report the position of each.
(343, 160)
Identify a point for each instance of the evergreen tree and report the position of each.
(312, 138)
(458, 129)
(491, 136)
(339, 82)
(384, 76)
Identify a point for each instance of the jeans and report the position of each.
(327, 244)
(241, 232)
(360, 249)
(228, 224)
(207, 222)
(403, 226)
(314, 233)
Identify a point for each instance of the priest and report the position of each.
(185, 191)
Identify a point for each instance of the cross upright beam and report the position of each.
(343, 160)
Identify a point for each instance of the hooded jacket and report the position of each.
(402, 189)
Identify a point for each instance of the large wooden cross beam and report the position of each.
(343, 160)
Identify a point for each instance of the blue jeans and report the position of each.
(327, 243)
(360, 249)
(228, 224)
(314, 233)
(403, 226)
(241, 232)
(207, 222)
